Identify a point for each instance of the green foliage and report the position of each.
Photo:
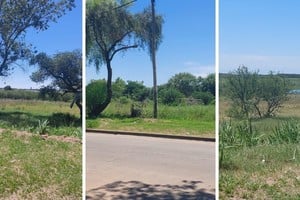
(274, 91)
(242, 88)
(34, 168)
(118, 88)
(62, 119)
(7, 87)
(208, 84)
(45, 93)
(102, 20)
(205, 97)
(109, 31)
(136, 91)
(19, 94)
(64, 69)
(254, 95)
(43, 127)
(17, 17)
(180, 120)
(171, 96)
(287, 132)
(92, 123)
(145, 32)
(95, 96)
(26, 115)
(185, 83)
(136, 110)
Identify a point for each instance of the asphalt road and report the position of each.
(133, 167)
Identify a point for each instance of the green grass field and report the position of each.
(196, 120)
(268, 166)
(35, 166)
(28, 114)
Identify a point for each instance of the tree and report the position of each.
(274, 90)
(109, 30)
(118, 88)
(65, 71)
(242, 89)
(171, 96)
(256, 95)
(185, 83)
(208, 84)
(150, 33)
(16, 17)
(136, 90)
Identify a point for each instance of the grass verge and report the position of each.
(35, 168)
(261, 172)
(178, 120)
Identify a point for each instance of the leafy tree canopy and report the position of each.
(64, 69)
(185, 83)
(111, 28)
(18, 16)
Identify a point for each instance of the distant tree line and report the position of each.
(182, 88)
(45, 93)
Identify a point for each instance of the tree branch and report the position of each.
(120, 49)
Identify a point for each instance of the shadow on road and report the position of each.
(121, 190)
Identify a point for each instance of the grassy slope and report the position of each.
(261, 172)
(26, 114)
(183, 120)
(244, 175)
(33, 168)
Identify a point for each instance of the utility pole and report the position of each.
(153, 49)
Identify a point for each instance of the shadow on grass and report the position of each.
(121, 190)
(25, 120)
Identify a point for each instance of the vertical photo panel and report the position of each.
(40, 94)
(259, 100)
(150, 99)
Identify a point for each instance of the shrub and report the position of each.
(136, 110)
(7, 87)
(205, 97)
(95, 95)
(171, 96)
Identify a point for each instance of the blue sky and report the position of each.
(188, 44)
(65, 35)
(262, 35)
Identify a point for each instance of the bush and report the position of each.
(136, 110)
(7, 87)
(205, 97)
(95, 95)
(171, 96)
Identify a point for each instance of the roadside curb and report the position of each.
(182, 137)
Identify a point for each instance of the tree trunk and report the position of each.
(154, 62)
(99, 109)
(80, 108)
